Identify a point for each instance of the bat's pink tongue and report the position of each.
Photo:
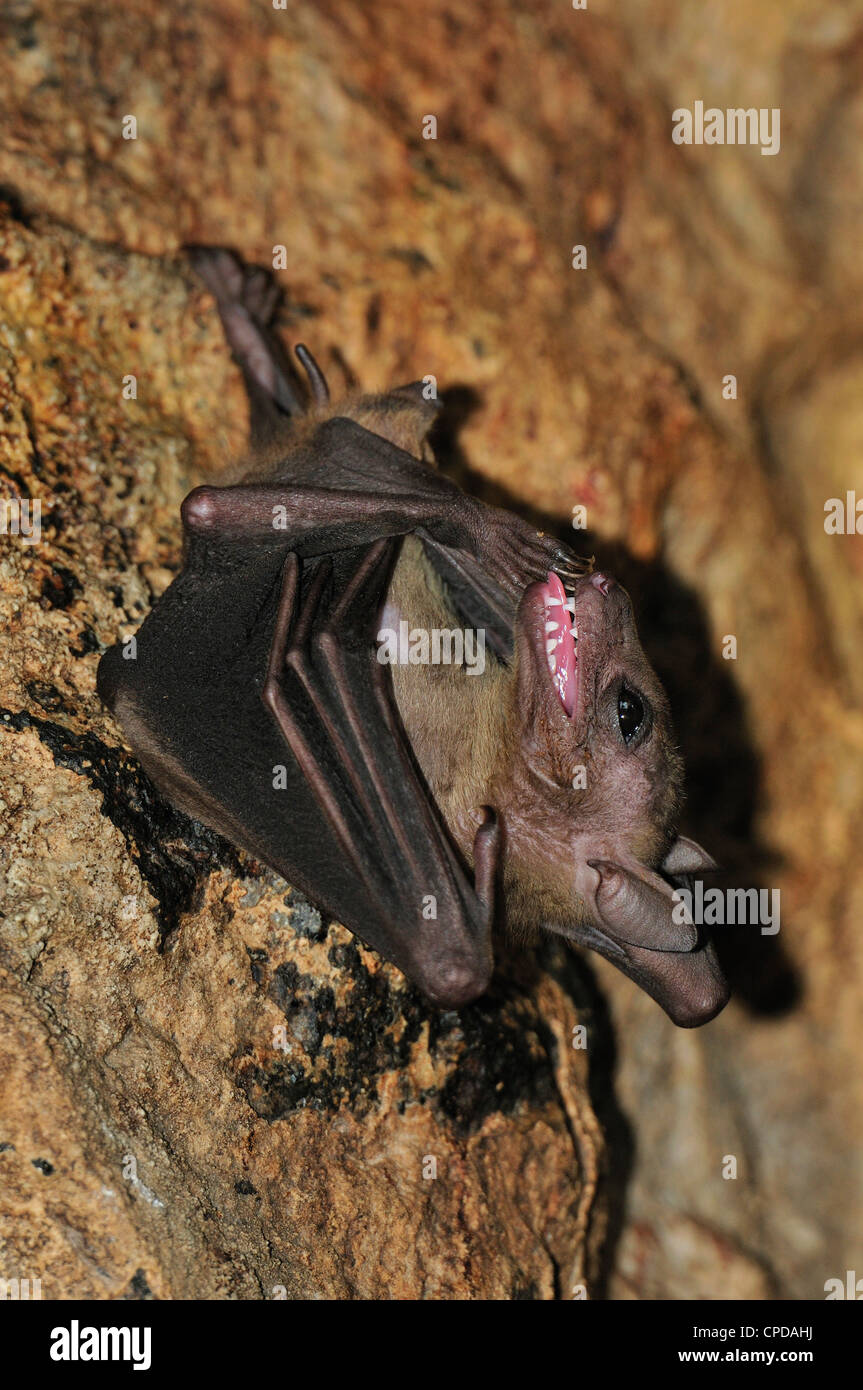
(559, 645)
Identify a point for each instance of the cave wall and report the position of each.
(146, 967)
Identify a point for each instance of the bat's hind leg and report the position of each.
(247, 298)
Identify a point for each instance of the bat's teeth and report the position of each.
(552, 627)
(569, 604)
(551, 646)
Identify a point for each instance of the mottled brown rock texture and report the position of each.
(205, 1090)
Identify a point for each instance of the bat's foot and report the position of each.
(220, 270)
(233, 283)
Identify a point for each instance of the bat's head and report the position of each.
(590, 791)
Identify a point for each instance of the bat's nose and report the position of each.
(603, 582)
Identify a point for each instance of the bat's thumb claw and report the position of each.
(486, 854)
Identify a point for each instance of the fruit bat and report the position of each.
(413, 802)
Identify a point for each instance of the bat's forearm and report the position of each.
(321, 520)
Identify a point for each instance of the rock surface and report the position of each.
(164, 1141)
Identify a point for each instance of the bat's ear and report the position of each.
(653, 939)
(687, 857)
(418, 392)
(405, 416)
(636, 906)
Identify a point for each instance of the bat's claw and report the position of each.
(569, 566)
(515, 554)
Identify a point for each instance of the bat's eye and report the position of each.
(630, 713)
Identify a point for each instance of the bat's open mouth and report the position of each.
(561, 641)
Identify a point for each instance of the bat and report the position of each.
(417, 801)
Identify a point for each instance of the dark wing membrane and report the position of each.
(332, 700)
(256, 700)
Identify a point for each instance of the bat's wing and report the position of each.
(254, 698)
(406, 891)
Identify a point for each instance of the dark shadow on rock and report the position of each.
(174, 854)
(723, 771)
